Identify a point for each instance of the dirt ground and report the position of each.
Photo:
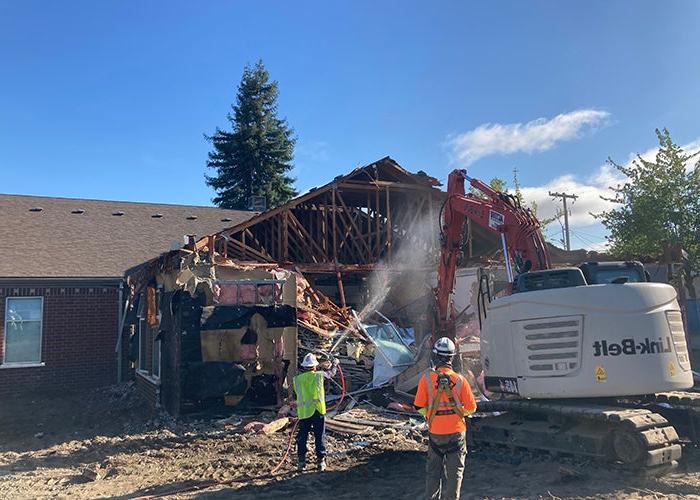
(106, 445)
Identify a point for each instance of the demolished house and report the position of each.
(210, 332)
(344, 270)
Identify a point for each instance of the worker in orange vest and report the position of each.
(444, 398)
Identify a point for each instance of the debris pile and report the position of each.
(319, 319)
(325, 328)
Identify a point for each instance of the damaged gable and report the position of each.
(354, 222)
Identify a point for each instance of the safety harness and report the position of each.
(446, 449)
(445, 386)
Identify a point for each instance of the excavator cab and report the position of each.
(597, 273)
(550, 278)
(588, 273)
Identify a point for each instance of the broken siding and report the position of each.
(227, 333)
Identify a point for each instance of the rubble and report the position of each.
(98, 457)
(275, 425)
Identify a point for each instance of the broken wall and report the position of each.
(227, 333)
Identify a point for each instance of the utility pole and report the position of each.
(564, 197)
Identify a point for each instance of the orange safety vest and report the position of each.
(447, 404)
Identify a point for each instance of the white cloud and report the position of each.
(690, 148)
(537, 135)
(589, 191)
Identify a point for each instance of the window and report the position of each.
(23, 324)
(143, 336)
(156, 359)
(149, 360)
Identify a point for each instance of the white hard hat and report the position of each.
(444, 347)
(309, 361)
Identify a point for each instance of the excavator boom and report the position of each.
(518, 228)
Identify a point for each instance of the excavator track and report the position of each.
(634, 439)
(680, 408)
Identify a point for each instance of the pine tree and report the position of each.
(255, 157)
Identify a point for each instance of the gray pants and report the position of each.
(445, 466)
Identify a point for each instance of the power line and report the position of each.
(593, 236)
(564, 197)
(586, 240)
(583, 240)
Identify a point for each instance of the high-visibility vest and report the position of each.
(310, 394)
(445, 401)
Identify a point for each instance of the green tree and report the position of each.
(658, 204)
(531, 205)
(498, 184)
(518, 190)
(255, 157)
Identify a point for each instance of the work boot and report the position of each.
(321, 465)
(300, 466)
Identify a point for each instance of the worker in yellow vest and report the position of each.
(444, 398)
(311, 408)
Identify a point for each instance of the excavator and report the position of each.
(580, 361)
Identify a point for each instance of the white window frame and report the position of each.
(25, 364)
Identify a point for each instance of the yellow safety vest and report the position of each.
(310, 394)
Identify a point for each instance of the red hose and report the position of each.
(286, 453)
(342, 389)
(211, 484)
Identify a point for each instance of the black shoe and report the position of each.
(321, 465)
(300, 466)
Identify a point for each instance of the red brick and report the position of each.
(79, 336)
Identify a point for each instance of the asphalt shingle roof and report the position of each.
(82, 238)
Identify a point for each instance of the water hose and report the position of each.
(211, 484)
(269, 475)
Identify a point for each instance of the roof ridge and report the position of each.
(66, 198)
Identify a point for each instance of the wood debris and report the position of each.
(321, 323)
(275, 425)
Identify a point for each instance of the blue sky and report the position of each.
(111, 99)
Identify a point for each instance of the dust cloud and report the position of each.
(412, 251)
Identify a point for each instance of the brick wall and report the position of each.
(79, 336)
(148, 390)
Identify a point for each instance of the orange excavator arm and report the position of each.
(523, 245)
